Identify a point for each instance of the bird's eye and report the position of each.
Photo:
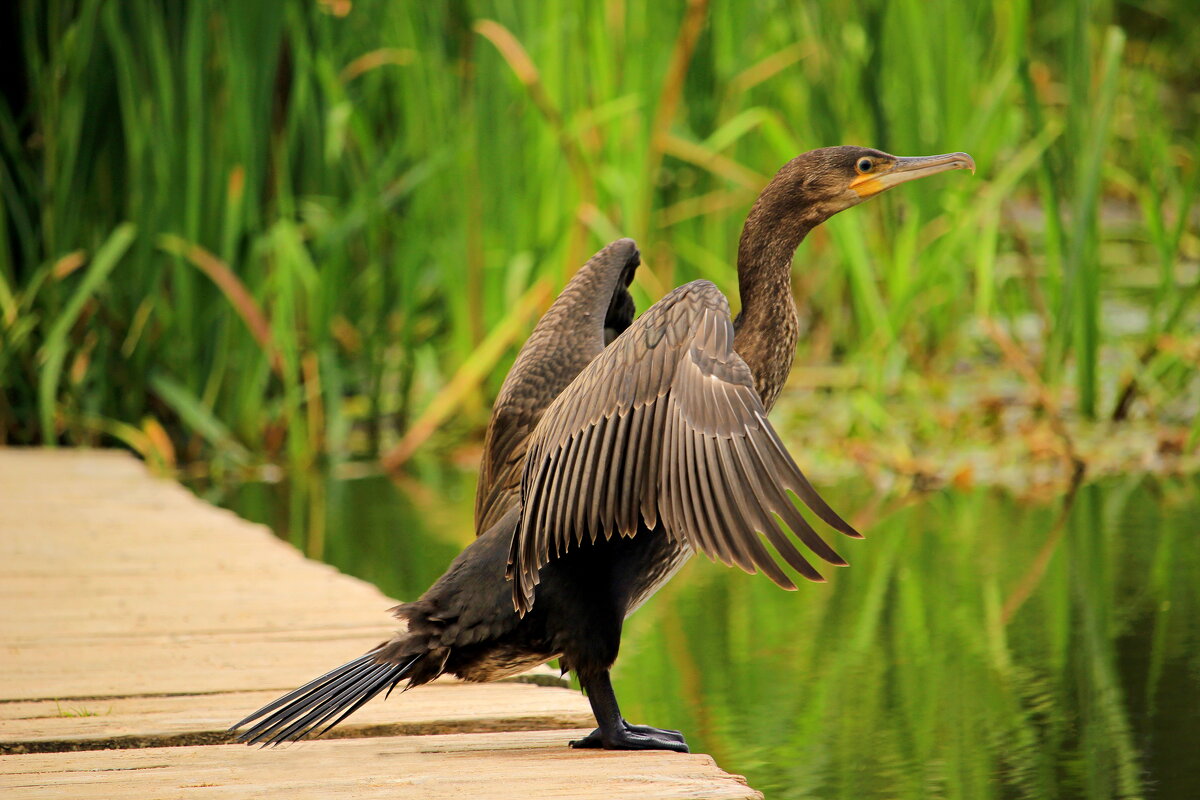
(864, 165)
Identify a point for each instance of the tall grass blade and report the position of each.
(198, 417)
(55, 349)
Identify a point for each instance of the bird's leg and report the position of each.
(614, 732)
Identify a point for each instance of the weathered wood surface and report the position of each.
(140, 620)
(117, 722)
(498, 765)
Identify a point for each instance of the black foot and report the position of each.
(634, 737)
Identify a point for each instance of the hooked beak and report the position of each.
(909, 168)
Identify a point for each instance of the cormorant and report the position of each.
(616, 448)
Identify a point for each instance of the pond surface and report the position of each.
(977, 647)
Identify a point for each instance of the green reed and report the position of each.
(235, 232)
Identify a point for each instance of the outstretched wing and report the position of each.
(665, 426)
(594, 305)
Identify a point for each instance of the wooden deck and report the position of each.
(139, 622)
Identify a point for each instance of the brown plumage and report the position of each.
(592, 309)
(616, 449)
(666, 425)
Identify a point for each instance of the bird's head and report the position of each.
(820, 183)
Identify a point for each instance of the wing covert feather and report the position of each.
(665, 427)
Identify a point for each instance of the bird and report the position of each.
(617, 448)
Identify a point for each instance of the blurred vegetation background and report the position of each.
(297, 232)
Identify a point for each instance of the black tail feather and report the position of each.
(339, 692)
(314, 716)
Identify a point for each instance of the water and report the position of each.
(978, 647)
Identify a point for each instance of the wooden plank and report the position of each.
(526, 765)
(185, 601)
(442, 707)
(177, 664)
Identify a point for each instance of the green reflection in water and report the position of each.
(977, 647)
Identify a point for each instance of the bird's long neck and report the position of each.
(768, 327)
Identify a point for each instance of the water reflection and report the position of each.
(977, 648)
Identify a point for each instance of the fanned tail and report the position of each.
(333, 696)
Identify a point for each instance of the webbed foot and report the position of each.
(614, 732)
(634, 737)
